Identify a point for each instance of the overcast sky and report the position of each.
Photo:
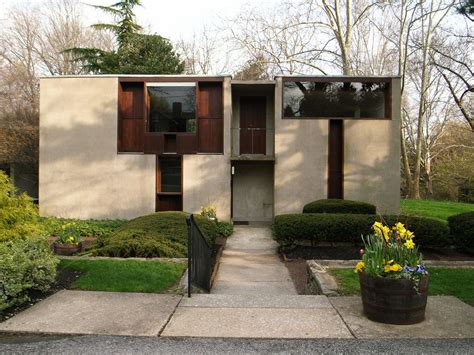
(170, 18)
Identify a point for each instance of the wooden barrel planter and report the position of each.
(67, 249)
(393, 301)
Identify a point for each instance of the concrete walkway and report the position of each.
(250, 265)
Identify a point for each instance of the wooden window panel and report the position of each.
(336, 159)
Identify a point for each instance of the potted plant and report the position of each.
(69, 240)
(393, 279)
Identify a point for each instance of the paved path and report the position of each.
(250, 265)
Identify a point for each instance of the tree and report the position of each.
(136, 53)
(253, 70)
(147, 54)
(466, 8)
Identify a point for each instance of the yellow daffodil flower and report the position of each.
(409, 244)
(394, 267)
(359, 267)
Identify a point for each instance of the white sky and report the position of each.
(170, 18)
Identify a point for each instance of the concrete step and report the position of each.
(257, 316)
(256, 301)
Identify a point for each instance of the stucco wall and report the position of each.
(372, 159)
(300, 160)
(81, 175)
(206, 177)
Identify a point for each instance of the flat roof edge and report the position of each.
(133, 76)
(340, 76)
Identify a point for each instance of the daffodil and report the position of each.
(409, 244)
(359, 267)
(394, 267)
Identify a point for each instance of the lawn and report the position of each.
(124, 275)
(440, 210)
(458, 282)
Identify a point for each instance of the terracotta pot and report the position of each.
(393, 301)
(66, 249)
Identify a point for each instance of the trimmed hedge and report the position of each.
(290, 229)
(162, 234)
(339, 206)
(461, 227)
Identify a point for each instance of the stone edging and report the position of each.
(323, 283)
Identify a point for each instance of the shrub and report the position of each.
(339, 206)
(25, 265)
(291, 229)
(462, 230)
(86, 228)
(26, 261)
(162, 234)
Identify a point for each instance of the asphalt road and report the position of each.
(151, 345)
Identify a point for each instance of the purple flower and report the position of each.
(408, 268)
(420, 269)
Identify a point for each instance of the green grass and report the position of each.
(440, 210)
(458, 282)
(125, 275)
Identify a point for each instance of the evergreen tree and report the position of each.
(136, 53)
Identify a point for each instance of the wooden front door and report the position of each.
(253, 116)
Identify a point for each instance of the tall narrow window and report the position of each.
(171, 107)
(170, 175)
(336, 159)
(169, 196)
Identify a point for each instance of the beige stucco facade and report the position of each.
(81, 175)
(206, 177)
(300, 160)
(372, 159)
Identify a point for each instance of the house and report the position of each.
(121, 146)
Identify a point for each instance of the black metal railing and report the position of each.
(199, 258)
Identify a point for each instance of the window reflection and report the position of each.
(334, 99)
(172, 108)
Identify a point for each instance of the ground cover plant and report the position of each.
(458, 282)
(161, 234)
(124, 275)
(440, 210)
(26, 261)
(55, 226)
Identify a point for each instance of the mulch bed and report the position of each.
(64, 280)
(352, 252)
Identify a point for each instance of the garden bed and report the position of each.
(64, 280)
(350, 252)
(106, 274)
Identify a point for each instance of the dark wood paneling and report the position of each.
(170, 143)
(336, 159)
(186, 143)
(131, 101)
(253, 116)
(131, 120)
(154, 143)
(210, 100)
(169, 202)
(210, 137)
(132, 135)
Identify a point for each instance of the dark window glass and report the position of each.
(170, 175)
(172, 108)
(334, 99)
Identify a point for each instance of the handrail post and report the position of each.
(190, 251)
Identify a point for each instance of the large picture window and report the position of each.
(172, 107)
(337, 99)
